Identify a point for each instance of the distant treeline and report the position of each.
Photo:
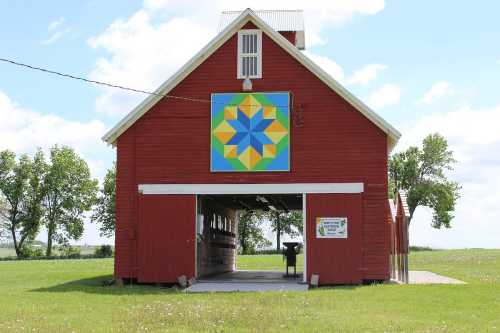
(10, 245)
(67, 252)
(274, 251)
(421, 248)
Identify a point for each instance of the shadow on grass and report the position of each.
(336, 287)
(97, 285)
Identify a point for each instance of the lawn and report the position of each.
(266, 263)
(68, 296)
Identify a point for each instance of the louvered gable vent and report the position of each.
(250, 54)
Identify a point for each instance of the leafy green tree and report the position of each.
(22, 193)
(282, 222)
(103, 251)
(4, 210)
(69, 193)
(105, 210)
(250, 235)
(422, 174)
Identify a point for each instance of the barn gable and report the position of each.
(245, 19)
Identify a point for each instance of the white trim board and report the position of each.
(298, 188)
(248, 15)
(196, 237)
(304, 235)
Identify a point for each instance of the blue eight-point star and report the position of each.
(249, 131)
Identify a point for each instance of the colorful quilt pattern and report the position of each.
(250, 132)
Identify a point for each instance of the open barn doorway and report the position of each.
(219, 232)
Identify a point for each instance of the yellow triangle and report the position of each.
(250, 106)
(230, 112)
(269, 151)
(230, 151)
(269, 112)
(245, 158)
(249, 158)
(275, 131)
(224, 132)
(254, 157)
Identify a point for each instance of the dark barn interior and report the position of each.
(217, 226)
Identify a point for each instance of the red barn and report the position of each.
(251, 122)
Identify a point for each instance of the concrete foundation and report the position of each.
(248, 281)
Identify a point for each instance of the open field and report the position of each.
(67, 295)
(7, 252)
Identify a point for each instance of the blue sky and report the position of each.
(424, 66)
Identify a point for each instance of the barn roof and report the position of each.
(247, 15)
(279, 20)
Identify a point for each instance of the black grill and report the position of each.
(290, 256)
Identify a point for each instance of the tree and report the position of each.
(103, 251)
(21, 194)
(105, 211)
(4, 210)
(69, 193)
(250, 235)
(422, 174)
(283, 222)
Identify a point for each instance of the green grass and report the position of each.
(266, 262)
(67, 295)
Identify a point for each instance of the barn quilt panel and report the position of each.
(250, 132)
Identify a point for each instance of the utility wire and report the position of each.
(45, 70)
(74, 77)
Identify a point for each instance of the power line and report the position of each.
(116, 86)
(45, 70)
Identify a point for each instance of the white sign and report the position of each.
(331, 227)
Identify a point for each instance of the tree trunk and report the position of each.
(14, 240)
(244, 249)
(50, 235)
(412, 210)
(278, 232)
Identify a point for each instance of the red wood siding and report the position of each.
(126, 207)
(166, 237)
(290, 35)
(330, 142)
(336, 261)
(376, 232)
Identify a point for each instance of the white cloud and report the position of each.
(56, 31)
(55, 37)
(143, 55)
(56, 23)
(366, 74)
(387, 95)
(465, 125)
(438, 89)
(22, 131)
(330, 66)
(146, 48)
(474, 137)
